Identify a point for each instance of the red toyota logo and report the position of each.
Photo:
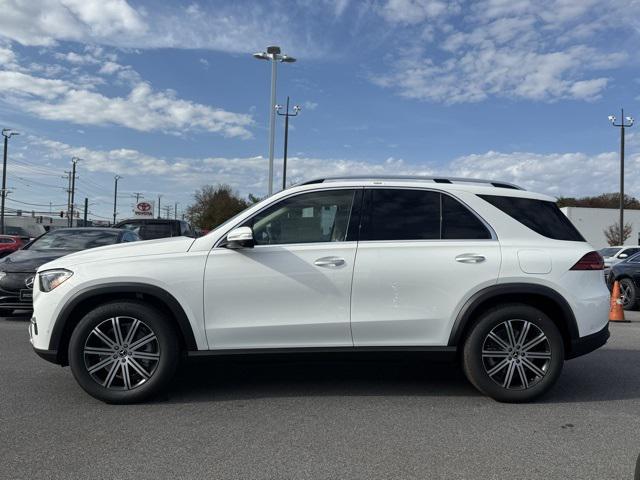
(144, 206)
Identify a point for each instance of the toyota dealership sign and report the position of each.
(143, 209)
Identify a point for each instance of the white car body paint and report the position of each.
(385, 294)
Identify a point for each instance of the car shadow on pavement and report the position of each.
(608, 374)
(302, 375)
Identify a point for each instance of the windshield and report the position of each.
(75, 240)
(609, 252)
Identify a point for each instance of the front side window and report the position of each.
(398, 214)
(307, 218)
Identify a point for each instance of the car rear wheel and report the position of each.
(514, 353)
(628, 292)
(123, 352)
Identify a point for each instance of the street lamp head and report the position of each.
(287, 59)
(612, 118)
(261, 56)
(7, 132)
(297, 108)
(630, 120)
(277, 107)
(273, 50)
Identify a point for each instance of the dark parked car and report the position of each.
(17, 270)
(627, 272)
(152, 228)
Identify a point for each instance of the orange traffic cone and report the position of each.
(616, 312)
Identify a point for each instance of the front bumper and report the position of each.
(583, 345)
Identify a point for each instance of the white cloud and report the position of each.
(76, 99)
(228, 27)
(503, 48)
(413, 11)
(558, 174)
(309, 105)
(43, 22)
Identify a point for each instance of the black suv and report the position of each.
(151, 228)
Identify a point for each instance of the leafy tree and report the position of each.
(612, 232)
(604, 200)
(215, 205)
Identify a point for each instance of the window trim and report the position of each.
(355, 189)
(365, 206)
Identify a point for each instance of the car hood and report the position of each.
(123, 250)
(29, 260)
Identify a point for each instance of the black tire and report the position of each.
(136, 388)
(478, 367)
(630, 301)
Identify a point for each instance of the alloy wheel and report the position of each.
(121, 353)
(626, 294)
(516, 354)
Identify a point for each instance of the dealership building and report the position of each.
(592, 222)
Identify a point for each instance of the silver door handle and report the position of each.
(329, 262)
(470, 258)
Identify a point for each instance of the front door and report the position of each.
(293, 289)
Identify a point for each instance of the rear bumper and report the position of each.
(584, 345)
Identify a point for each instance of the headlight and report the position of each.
(50, 279)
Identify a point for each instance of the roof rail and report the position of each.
(435, 179)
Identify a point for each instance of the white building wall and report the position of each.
(591, 223)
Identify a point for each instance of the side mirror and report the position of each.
(241, 237)
(623, 255)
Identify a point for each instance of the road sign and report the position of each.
(143, 209)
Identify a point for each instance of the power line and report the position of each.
(36, 204)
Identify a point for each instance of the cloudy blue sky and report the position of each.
(167, 95)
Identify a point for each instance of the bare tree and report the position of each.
(612, 232)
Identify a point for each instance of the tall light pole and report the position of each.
(286, 115)
(625, 122)
(115, 197)
(74, 161)
(159, 214)
(274, 55)
(7, 133)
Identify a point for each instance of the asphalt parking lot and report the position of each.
(319, 417)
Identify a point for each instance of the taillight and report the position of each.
(591, 261)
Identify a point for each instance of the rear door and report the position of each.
(421, 252)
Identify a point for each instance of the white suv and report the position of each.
(477, 270)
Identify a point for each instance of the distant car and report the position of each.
(17, 270)
(616, 254)
(627, 272)
(9, 244)
(152, 228)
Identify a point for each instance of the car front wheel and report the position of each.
(514, 353)
(123, 352)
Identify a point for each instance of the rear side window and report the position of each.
(396, 214)
(540, 216)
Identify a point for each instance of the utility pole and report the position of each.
(7, 133)
(167, 211)
(86, 211)
(175, 211)
(159, 214)
(115, 197)
(68, 175)
(625, 122)
(274, 55)
(286, 115)
(74, 161)
(137, 195)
